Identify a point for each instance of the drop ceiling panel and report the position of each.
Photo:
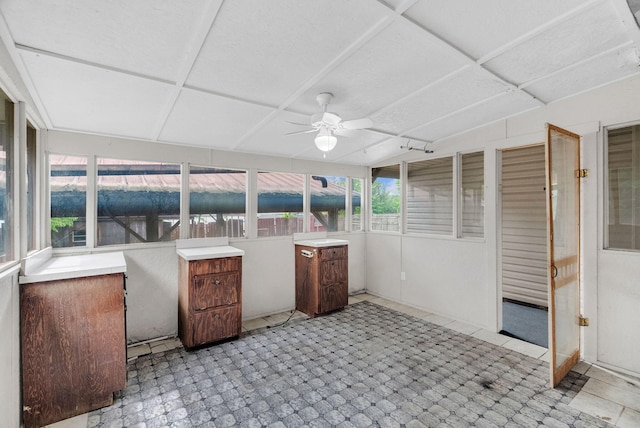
(265, 50)
(480, 27)
(509, 104)
(209, 120)
(91, 99)
(395, 63)
(602, 70)
(144, 36)
(589, 33)
(467, 87)
(386, 149)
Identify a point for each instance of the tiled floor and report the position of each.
(336, 386)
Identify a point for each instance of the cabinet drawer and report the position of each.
(201, 267)
(215, 289)
(331, 253)
(215, 324)
(333, 271)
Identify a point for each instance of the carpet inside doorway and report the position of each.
(525, 323)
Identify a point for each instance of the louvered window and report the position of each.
(472, 195)
(430, 196)
(623, 209)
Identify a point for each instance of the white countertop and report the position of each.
(322, 242)
(200, 253)
(65, 267)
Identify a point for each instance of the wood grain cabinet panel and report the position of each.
(209, 300)
(73, 346)
(322, 282)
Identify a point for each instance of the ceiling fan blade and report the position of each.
(346, 132)
(308, 131)
(331, 118)
(365, 122)
(298, 123)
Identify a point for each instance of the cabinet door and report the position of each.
(214, 290)
(334, 296)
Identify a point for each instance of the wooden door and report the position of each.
(563, 225)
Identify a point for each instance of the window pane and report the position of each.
(472, 184)
(68, 186)
(430, 196)
(137, 201)
(217, 202)
(623, 149)
(6, 179)
(385, 198)
(31, 191)
(280, 205)
(328, 198)
(356, 204)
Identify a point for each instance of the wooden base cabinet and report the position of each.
(74, 353)
(209, 300)
(322, 283)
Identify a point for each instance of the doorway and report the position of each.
(523, 257)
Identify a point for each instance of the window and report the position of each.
(472, 195)
(430, 196)
(280, 203)
(7, 169)
(623, 177)
(138, 201)
(217, 202)
(31, 187)
(356, 204)
(385, 198)
(68, 187)
(328, 198)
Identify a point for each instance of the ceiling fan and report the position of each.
(329, 125)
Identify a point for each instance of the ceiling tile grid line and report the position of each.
(41, 114)
(342, 56)
(404, 135)
(580, 63)
(538, 30)
(196, 43)
(466, 57)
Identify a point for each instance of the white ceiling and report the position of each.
(231, 75)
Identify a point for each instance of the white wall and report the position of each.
(611, 296)
(10, 349)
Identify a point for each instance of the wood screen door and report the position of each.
(563, 223)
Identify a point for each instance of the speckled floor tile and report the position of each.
(366, 365)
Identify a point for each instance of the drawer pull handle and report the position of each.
(217, 266)
(217, 282)
(217, 316)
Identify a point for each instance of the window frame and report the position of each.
(460, 196)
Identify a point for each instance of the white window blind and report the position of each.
(472, 195)
(623, 153)
(430, 196)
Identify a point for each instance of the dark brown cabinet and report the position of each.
(73, 346)
(322, 283)
(209, 300)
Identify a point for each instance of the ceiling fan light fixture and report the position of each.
(325, 141)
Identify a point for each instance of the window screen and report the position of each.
(385, 198)
(217, 202)
(623, 169)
